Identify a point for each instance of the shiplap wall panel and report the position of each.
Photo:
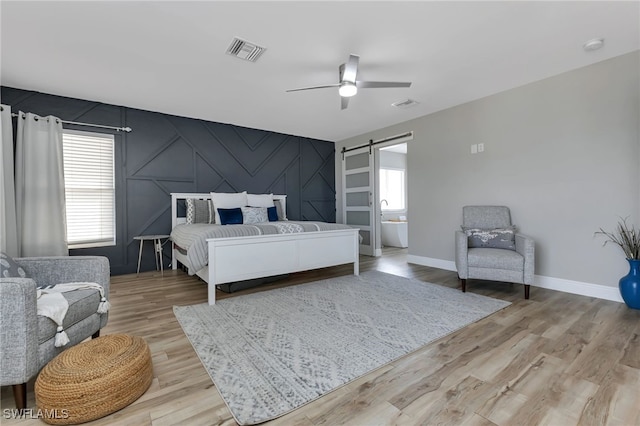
(166, 153)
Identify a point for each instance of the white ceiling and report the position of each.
(170, 56)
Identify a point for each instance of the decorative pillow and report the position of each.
(230, 216)
(9, 268)
(254, 214)
(502, 238)
(198, 211)
(260, 200)
(282, 214)
(272, 214)
(223, 200)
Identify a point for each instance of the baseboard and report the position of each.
(559, 284)
(447, 265)
(578, 287)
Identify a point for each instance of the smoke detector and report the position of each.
(407, 103)
(593, 44)
(245, 49)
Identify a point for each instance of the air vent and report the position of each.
(407, 103)
(245, 50)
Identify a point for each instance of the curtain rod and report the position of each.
(372, 142)
(101, 126)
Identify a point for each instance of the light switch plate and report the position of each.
(474, 148)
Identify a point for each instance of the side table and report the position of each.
(157, 243)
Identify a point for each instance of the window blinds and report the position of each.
(89, 188)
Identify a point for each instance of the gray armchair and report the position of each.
(488, 248)
(26, 339)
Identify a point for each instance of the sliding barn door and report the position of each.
(358, 183)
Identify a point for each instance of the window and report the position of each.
(89, 188)
(392, 189)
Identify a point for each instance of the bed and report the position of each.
(241, 252)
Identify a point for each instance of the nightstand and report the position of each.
(157, 244)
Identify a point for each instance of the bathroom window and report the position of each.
(392, 189)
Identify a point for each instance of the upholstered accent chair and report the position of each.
(27, 341)
(489, 248)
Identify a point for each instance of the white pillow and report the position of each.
(223, 200)
(260, 200)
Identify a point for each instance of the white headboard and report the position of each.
(175, 196)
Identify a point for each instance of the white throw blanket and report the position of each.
(52, 304)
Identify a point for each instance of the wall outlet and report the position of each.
(474, 148)
(480, 147)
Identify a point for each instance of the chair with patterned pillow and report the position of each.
(28, 338)
(489, 248)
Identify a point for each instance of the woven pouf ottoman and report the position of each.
(94, 379)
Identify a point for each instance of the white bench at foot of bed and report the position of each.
(245, 258)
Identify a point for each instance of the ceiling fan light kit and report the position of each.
(348, 85)
(347, 89)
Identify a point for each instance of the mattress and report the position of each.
(192, 238)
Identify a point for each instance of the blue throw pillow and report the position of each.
(230, 216)
(272, 213)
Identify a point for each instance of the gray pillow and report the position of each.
(501, 238)
(198, 211)
(254, 214)
(9, 268)
(282, 214)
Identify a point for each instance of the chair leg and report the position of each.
(463, 282)
(95, 335)
(527, 287)
(20, 395)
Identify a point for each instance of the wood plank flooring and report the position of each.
(556, 359)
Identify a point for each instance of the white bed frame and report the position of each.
(245, 258)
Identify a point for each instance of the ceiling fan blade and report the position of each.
(380, 84)
(344, 102)
(351, 69)
(314, 87)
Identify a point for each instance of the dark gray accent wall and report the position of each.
(166, 153)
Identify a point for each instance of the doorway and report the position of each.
(393, 200)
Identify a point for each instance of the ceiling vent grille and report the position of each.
(245, 50)
(407, 103)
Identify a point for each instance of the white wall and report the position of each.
(563, 153)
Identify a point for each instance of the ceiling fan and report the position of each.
(348, 85)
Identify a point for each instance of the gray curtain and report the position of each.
(40, 199)
(8, 224)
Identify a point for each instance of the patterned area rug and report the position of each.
(269, 353)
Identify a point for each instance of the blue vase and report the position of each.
(630, 285)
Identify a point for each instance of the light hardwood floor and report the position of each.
(556, 359)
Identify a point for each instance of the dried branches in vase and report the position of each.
(625, 236)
